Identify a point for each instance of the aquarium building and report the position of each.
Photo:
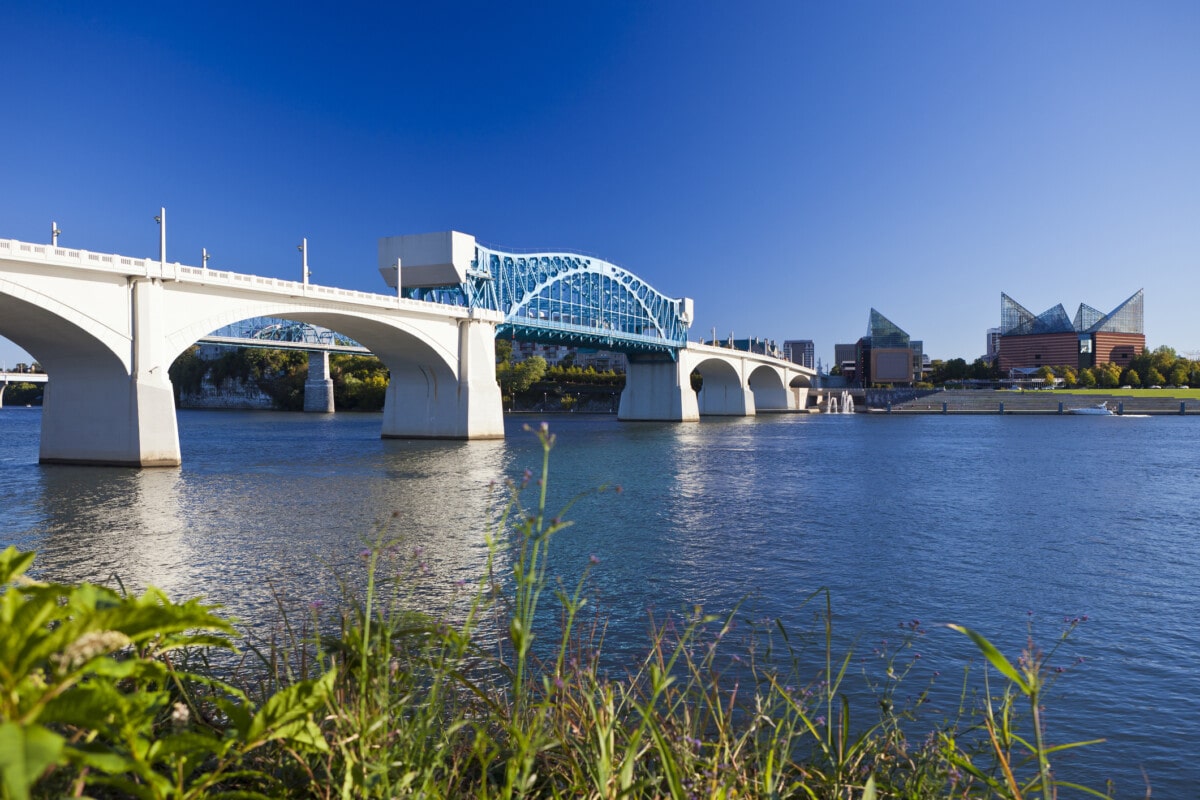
(1053, 339)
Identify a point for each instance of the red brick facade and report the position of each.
(1039, 350)
(1062, 349)
(1119, 348)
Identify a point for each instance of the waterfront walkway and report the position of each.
(989, 401)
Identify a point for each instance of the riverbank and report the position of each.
(987, 401)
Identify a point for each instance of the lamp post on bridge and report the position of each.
(54, 232)
(204, 258)
(303, 248)
(161, 219)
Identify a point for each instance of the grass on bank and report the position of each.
(1182, 394)
(106, 694)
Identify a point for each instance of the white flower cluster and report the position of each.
(88, 646)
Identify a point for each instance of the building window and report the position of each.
(1085, 345)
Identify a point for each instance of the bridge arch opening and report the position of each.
(721, 391)
(766, 384)
(429, 374)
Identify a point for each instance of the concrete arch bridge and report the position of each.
(106, 328)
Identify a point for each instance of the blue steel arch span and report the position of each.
(553, 297)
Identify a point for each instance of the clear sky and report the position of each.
(787, 164)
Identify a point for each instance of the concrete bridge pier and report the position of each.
(658, 389)
(428, 401)
(99, 411)
(726, 398)
(109, 420)
(318, 387)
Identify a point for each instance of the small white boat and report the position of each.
(1100, 409)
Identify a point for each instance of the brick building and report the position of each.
(1053, 339)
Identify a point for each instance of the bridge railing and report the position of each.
(150, 267)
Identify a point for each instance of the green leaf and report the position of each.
(288, 707)
(993, 655)
(24, 755)
(13, 563)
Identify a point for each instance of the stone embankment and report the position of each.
(989, 402)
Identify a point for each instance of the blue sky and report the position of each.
(789, 165)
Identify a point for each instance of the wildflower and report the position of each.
(593, 560)
(316, 605)
(180, 715)
(364, 553)
(88, 646)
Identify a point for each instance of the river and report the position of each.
(995, 522)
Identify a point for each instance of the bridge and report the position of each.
(106, 328)
(18, 377)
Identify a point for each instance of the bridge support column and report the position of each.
(98, 413)
(428, 402)
(726, 401)
(318, 388)
(658, 390)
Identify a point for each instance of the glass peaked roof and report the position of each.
(1016, 320)
(885, 333)
(1086, 317)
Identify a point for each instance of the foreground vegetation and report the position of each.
(505, 694)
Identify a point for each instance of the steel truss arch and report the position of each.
(572, 298)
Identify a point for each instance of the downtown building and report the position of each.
(1028, 341)
(886, 355)
(801, 351)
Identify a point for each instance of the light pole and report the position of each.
(54, 232)
(303, 248)
(204, 258)
(161, 219)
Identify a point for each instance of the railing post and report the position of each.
(1002, 407)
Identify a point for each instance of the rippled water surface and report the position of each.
(989, 521)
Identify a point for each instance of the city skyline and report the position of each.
(789, 166)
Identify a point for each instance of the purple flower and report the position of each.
(593, 560)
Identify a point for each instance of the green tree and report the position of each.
(1046, 374)
(1163, 359)
(1131, 378)
(1069, 377)
(1179, 375)
(1087, 378)
(983, 370)
(956, 369)
(1154, 378)
(517, 378)
(504, 350)
(1108, 376)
